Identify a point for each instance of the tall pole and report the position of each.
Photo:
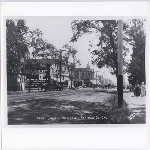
(120, 64)
(56, 66)
(96, 77)
(71, 75)
(79, 73)
(72, 67)
(48, 73)
(79, 70)
(60, 64)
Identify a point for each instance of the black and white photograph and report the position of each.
(75, 70)
(75, 75)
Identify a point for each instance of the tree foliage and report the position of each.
(70, 52)
(136, 68)
(16, 44)
(104, 53)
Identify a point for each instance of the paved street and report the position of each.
(77, 105)
(74, 95)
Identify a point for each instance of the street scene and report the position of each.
(68, 70)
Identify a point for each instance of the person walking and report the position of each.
(142, 89)
(130, 88)
(137, 90)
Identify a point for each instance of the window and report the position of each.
(82, 74)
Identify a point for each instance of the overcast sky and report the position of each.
(57, 30)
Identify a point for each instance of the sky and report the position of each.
(57, 30)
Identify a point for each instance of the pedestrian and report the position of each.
(142, 89)
(137, 90)
(134, 87)
(130, 87)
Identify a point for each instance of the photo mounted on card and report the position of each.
(75, 70)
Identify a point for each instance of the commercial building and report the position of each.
(39, 71)
(84, 74)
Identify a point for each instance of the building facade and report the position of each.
(45, 71)
(85, 74)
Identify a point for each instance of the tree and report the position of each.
(16, 46)
(37, 46)
(104, 54)
(71, 65)
(136, 68)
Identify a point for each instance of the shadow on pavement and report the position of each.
(52, 111)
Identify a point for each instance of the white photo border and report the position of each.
(81, 136)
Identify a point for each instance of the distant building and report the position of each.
(46, 71)
(85, 74)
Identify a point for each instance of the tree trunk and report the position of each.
(48, 73)
(30, 79)
(60, 73)
(13, 83)
(71, 77)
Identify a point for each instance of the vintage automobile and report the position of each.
(47, 87)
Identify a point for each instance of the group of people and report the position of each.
(139, 90)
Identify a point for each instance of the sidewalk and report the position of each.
(137, 106)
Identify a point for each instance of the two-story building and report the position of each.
(84, 74)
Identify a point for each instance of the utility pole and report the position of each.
(60, 64)
(96, 77)
(120, 64)
(79, 71)
(72, 68)
(71, 74)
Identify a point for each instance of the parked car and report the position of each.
(84, 86)
(80, 87)
(44, 86)
(47, 87)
